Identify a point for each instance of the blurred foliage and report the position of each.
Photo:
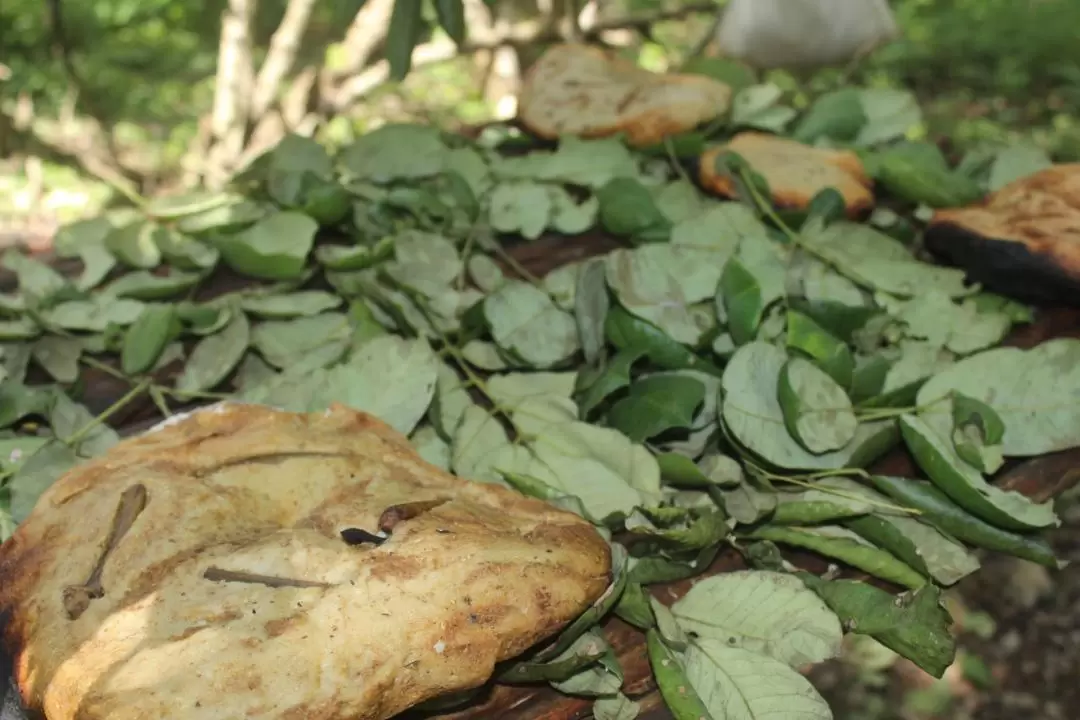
(985, 70)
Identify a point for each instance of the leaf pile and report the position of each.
(722, 379)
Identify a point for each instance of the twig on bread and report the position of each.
(217, 574)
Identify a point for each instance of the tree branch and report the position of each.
(517, 35)
(232, 89)
(280, 57)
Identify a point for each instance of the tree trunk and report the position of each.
(232, 92)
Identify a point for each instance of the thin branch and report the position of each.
(232, 88)
(364, 36)
(284, 46)
(517, 35)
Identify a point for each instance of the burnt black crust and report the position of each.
(1007, 267)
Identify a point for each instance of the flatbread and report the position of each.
(795, 172)
(1023, 240)
(234, 592)
(582, 91)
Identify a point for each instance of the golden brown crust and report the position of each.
(293, 622)
(795, 172)
(1023, 239)
(582, 91)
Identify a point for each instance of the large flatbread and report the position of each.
(246, 578)
(1023, 240)
(795, 172)
(582, 91)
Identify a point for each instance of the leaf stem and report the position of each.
(116, 407)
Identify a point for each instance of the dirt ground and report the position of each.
(1019, 649)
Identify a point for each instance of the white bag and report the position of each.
(803, 34)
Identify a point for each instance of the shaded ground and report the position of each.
(1019, 649)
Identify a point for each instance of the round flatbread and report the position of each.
(245, 562)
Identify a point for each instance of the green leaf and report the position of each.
(847, 547)
(1015, 162)
(584, 651)
(136, 244)
(913, 174)
(627, 209)
(1035, 393)
(919, 545)
(36, 279)
(702, 528)
(174, 207)
(915, 625)
(346, 258)
(396, 151)
(635, 608)
(95, 314)
(525, 321)
(817, 412)
(146, 338)
(18, 401)
(406, 24)
(977, 433)
(836, 115)
(761, 612)
(36, 474)
(748, 502)
(591, 304)
(236, 214)
(752, 414)
(315, 342)
(520, 207)
(657, 404)
(729, 681)
(828, 352)
(185, 252)
(144, 285)
(671, 679)
(941, 512)
(389, 377)
(627, 332)
(615, 707)
(743, 302)
(604, 679)
(274, 248)
(596, 386)
(304, 303)
(830, 499)
(757, 107)
(16, 330)
(879, 262)
(216, 356)
(960, 328)
(674, 567)
(713, 470)
(964, 484)
(59, 357)
(890, 114)
(97, 263)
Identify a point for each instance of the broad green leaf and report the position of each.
(657, 404)
(752, 414)
(485, 273)
(919, 545)
(747, 503)
(315, 342)
(757, 106)
(303, 303)
(591, 304)
(836, 115)
(977, 433)
(347, 258)
(36, 279)
(431, 447)
(144, 285)
(846, 546)
(827, 351)
(1035, 392)
(389, 377)
(185, 252)
(761, 612)
(615, 707)
(879, 262)
(58, 356)
(915, 625)
(817, 412)
(627, 209)
(596, 386)
(406, 25)
(584, 651)
(1015, 162)
(174, 207)
(585, 163)
(628, 332)
(216, 356)
(18, 401)
(742, 300)
(830, 499)
(135, 244)
(525, 321)
(450, 401)
(738, 684)
(918, 173)
(95, 314)
(520, 207)
(890, 114)
(964, 484)
(36, 474)
(146, 338)
(700, 528)
(274, 248)
(16, 330)
(680, 697)
(959, 327)
(602, 679)
(77, 426)
(236, 214)
(480, 447)
(712, 470)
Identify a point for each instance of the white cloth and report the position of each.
(803, 34)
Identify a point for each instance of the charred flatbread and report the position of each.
(795, 172)
(1023, 240)
(585, 92)
(245, 562)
